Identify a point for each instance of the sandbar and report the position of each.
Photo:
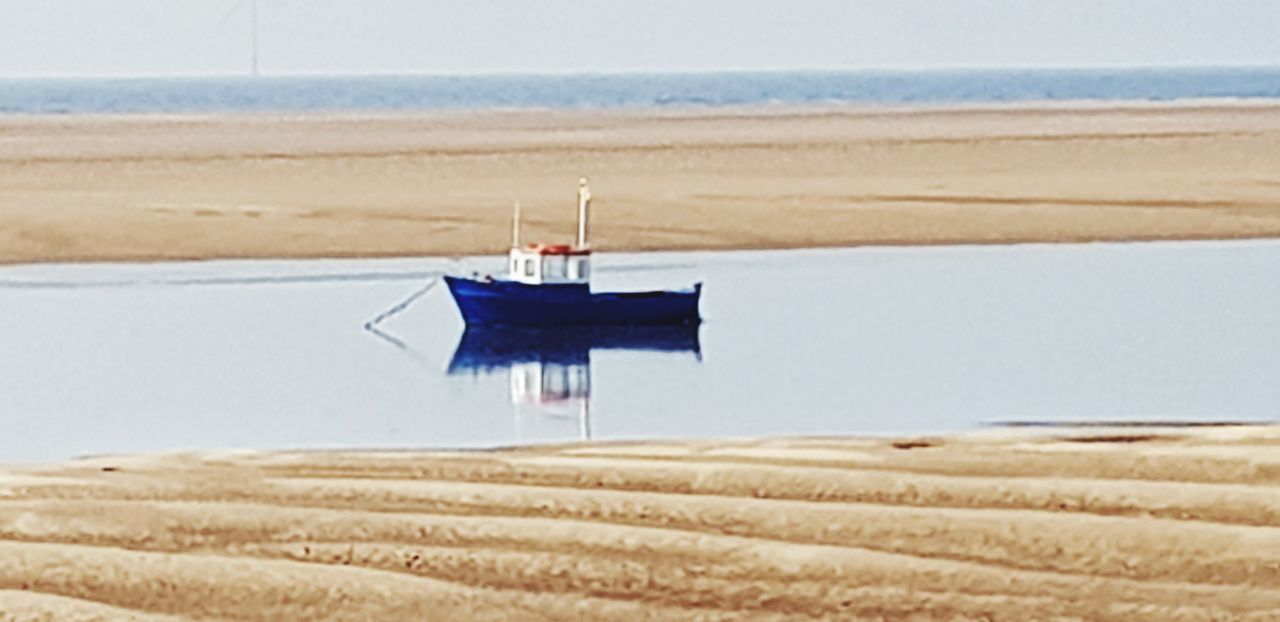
(172, 187)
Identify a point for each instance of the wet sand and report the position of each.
(187, 187)
(1098, 524)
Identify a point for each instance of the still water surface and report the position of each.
(274, 354)
(627, 90)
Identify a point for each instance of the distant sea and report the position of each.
(383, 93)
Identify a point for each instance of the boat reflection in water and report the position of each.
(550, 368)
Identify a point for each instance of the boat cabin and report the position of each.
(547, 264)
(540, 264)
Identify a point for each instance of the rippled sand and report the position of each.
(166, 187)
(1085, 524)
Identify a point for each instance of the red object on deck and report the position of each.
(557, 249)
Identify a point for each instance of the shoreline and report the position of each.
(1013, 432)
(960, 245)
(117, 259)
(692, 111)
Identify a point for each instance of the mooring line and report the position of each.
(371, 325)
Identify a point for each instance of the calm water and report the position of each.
(53, 96)
(100, 358)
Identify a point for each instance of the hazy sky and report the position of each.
(133, 37)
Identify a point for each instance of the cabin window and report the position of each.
(582, 268)
(555, 267)
(515, 266)
(528, 267)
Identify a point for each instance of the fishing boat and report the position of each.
(549, 285)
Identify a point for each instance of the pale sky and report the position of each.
(191, 37)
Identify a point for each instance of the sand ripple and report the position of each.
(1166, 525)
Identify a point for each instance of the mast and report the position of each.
(584, 202)
(515, 227)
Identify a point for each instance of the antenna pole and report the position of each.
(515, 227)
(584, 203)
(254, 10)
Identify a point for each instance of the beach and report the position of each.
(158, 187)
(1091, 523)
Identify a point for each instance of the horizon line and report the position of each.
(641, 72)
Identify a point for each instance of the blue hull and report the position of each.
(508, 303)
